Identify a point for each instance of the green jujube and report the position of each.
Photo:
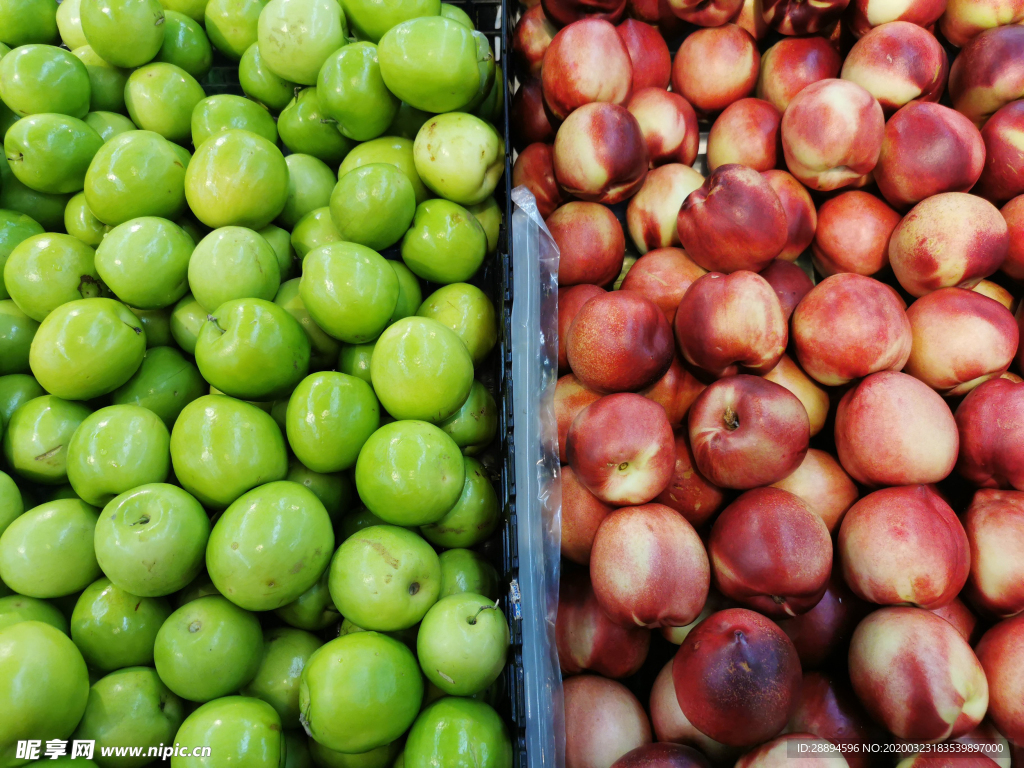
(51, 153)
(137, 173)
(222, 447)
(350, 89)
(165, 383)
(373, 205)
(151, 540)
(431, 63)
(87, 348)
(145, 262)
(127, 33)
(224, 112)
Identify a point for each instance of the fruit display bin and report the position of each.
(496, 280)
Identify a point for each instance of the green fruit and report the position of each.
(373, 205)
(51, 153)
(135, 174)
(330, 416)
(323, 349)
(16, 333)
(17, 608)
(310, 183)
(194, 9)
(270, 546)
(408, 121)
(157, 325)
(410, 473)
(80, 222)
(48, 210)
(187, 319)
(350, 90)
(354, 359)
(186, 45)
(130, 706)
(216, 114)
(313, 610)
(445, 243)
(208, 648)
(106, 82)
(475, 516)
(195, 230)
(151, 540)
(385, 578)
(38, 432)
(14, 228)
(281, 241)
(460, 157)
(87, 348)
(231, 25)
(233, 263)
(200, 586)
(252, 349)
(335, 490)
(314, 230)
(431, 63)
(145, 262)
(114, 629)
(370, 19)
(489, 215)
(239, 731)
(69, 22)
(297, 36)
(262, 85)
(407, 636)
(285, 653)
(304, 129)
(47, 552)
(127, 33)
(16, 389)
(463, 570)
(237, 178)
(458, 733)
(222, 447)
(165, 383)
(421, 370)
(360, 692)
(349, 290)
(474, 426)
(46, 271)
(296, 748)
(116, 449)
(467, 311)
(410, 295)
(381, 757)
(56, 493)
(354, 522)
(109, 124)
(455, 13)
(486, 69)
(462, 644)
(160, 97)
(11, 503)
(492, 107)
(394, 150)
(44, 684)
(43, 78)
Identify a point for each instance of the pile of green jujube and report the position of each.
(247, 446)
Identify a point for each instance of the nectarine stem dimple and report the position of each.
(731, 418)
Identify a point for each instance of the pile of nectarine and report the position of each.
(790, 412)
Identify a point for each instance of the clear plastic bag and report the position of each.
(538, 485)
